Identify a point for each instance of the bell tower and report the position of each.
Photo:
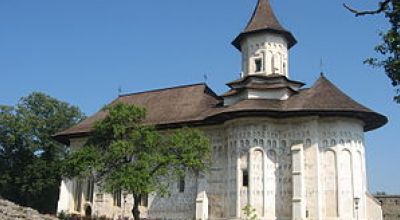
(264, 44)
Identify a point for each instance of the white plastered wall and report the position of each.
(330, 165)
(271, 49)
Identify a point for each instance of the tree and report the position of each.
(250, 212)
(29, 158)
(389, 49)
(125, 155)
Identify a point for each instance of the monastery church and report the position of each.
(289, 151)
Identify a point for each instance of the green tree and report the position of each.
(250, 212)
(29, 158)
(125, 155)
(389, 49)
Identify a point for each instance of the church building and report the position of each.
(289, 151)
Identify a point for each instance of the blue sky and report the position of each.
(82, 51)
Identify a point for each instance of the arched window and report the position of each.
(245, 180)
(258, 63)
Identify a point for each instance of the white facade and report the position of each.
(305, 168)
(265, 54)
(277, 94)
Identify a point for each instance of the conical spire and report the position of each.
(264, 19)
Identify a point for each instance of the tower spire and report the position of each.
(264, 20)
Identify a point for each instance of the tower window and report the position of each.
(258, 63)
(245, 178)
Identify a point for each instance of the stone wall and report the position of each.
(11, 211)
(390, 206)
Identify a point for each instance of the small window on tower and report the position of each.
(245, 178)
(258, 63)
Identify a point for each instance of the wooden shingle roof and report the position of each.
(194, 105)
(176, 105)
(264, 20)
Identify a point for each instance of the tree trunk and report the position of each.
(135, 209)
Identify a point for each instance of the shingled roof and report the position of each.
(322, 99)
(194, 105)
(264, 20)
(324, 95)
(261, 82)
(177, 105)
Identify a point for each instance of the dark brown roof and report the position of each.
(322, 99)
(267, 80)
(324, 95)
(261, 82)
(164, 106)
(235, 91)
(264, 20)
(198, 105)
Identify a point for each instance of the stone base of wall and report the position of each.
(11, 211)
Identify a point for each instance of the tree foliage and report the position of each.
(389, 49)
(250, 212)
(29, 158)
(125, 155)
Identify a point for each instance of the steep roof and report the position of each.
(198, 105)
(164, 106)
(264, 20)
(322, 99)
(324, 95)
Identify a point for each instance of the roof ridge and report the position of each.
(163, 89)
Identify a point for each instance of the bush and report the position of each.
(63, 216)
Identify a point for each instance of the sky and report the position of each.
(85, 51)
